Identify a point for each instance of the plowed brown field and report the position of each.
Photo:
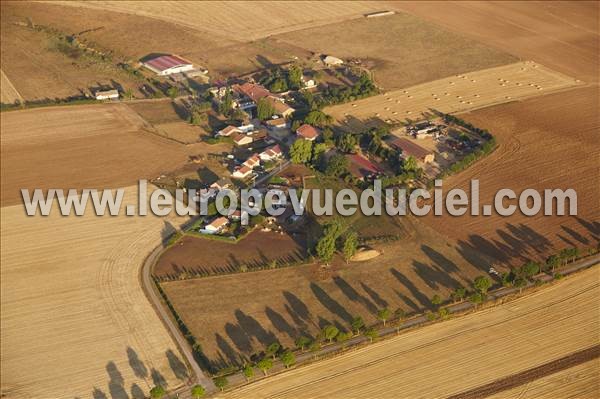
(93, 146)
(455, 356)
(544, 143)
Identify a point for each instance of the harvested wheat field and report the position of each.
(401, 50)
(576, 382)
(544, 143)
(458, 93)
(563, 35)
(75, 321)
(439, 360)
(242, 21)
(93, 146)
(9, 94)
(249, 311)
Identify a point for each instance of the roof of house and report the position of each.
(410, 148)
(272, 151)
(218, 222)
(279, 106)
(240, 138)
(252, 90)
(164, 62)
(361, 165)
(226, 131)
(244, 169)
(252, 161)
(275, 122)
(222, 182)
(332, 60)
(307, 131)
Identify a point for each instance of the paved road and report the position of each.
(164, 313)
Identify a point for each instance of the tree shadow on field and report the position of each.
(116, 382)
(354, 295)
(177, 366)
(98, 394)
(575, 235)
(138, 367)
(158, 378)
(252, 328)
(226, 350)
(239, 338)
(381, 303)
(592, 227)
(280, 323)
(136, 392)
(415, 292)
(166, 233)
(330, 304)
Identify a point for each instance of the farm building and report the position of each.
(107, 95)
(216, 225)
(409, 148)
(307, 132)
(252, 91)
(168, 64)
(360, 167)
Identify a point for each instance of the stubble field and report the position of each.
(544, 143)
(94, 146)
(457, 93)
(75, 321)
(497, 342)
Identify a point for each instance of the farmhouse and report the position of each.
(107, 95)
(228, 131)
(307, 132)
(361, 168)
(222, 184)
(252, 91)
(216, 225)
(271, 154)
(280, 107)
(168, 64)
(242, 139)
(277, 123)
(410, 148)
(252, 162)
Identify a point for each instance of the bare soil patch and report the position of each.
(257, 249)
(98, 146)
(406, 50)
(544, 143)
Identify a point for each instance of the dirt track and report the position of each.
(75, 322)
(440, 360)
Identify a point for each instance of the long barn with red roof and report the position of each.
(168, 64)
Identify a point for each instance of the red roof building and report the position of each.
(361, 167)
(307, 132)
(253, 91)
(168, 64)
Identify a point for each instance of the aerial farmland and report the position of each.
(120, 114)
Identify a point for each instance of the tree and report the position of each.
(264, 109)
(444, 313)
(221, 382)
(318, 118)
(520, 283)
(172, 92)
(436, 300)
(318, 150)
(347, 143)
(198, 391)
(157, 392)
(326, 248)
(301, 151)
(458, 294)
(384, 315)
(357, 324)
(295, 77)
(476, 298)
(337, 166)
(553, 262)
(128, 94)
(248, 371)
(239, 115)
(302, 342)
(272, 349)
(482, 284)
(330, 332)
(288, 359)
(350, 245)
(410, 164)
(372, 334)
(296, 124)
(226, 104)
(327, 135)
(265, 365)
(430, 315)
(342, 337)
(530, 269)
